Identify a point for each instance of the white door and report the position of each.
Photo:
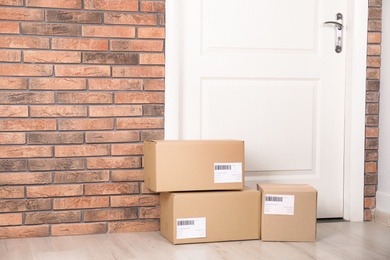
(267, 72)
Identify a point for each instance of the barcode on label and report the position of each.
(274, 199)
(185, 222)
(222, 167)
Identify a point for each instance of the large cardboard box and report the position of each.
(210, 216)
(288, 212)
(194, 165)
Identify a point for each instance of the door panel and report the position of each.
(266, 72)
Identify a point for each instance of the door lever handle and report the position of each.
(338, 28)
(338, 25)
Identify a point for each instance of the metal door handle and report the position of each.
(338, 27)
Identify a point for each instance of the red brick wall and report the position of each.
(81, 86)
(372, 105)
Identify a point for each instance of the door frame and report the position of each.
(354, 104)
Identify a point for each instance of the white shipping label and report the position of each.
(227, 172)
(279, 204)
(190, 228)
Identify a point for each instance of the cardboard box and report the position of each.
(210, 216)
(194, 165)
(288, 212)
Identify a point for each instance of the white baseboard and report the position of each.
(382, 217)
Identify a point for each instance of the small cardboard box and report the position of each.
(210, 216)
(288, 212)
(194, 165)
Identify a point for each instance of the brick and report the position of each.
(86, 124)
(135, 200)
(372, 108)
(115, 111)
(51, 57)
(371, 155)
(26, 98)
(115, 84)
(52, 217)
(73, 17)
(140, 123)
(12, 166)
(24, 205)
(12, 138)
(127, 175)
(108, 215)
(25, 151)
(373, 73)
(74, 4)
(108, 31)
(110, 58)
(25, 178)
(80, 203)
(81, 177)
(152, 59)
(84, 98)
(370, 179)
(56, 164)
(372, 144)
(58, 84)
(375, 25)
(139, 97)
(112, 137)
(79, 44)
(54, 191)
(12, 192)
(82, 71)
(153, 6)
(55, 138)
(9, 27)
(153, 110)
(51, 29)
(373, 62)
(130, 19)
(24, 42)
(373, 85)
(119, 5)
(139, 71)
(370, 167)
(372, 120)
(14, 111)
(58, 111)
(82, 150)
(10, 55)
(134, 226)
(374, 49)
(137, 45)
(21, 14)
(375, 3)
(374, 37)
(154, 84)
(25, 70)
(78, 229)
(11, 2)
(10, 219)
(24, 232)
(28, 125)
(151, 33)
(13, 83)
(369, 203)
(374, 13)
(127, 149)
(367, 215)
(152, 135)
(114, 163)
(370, 190)
(111, 188)
(145, 213)
(372, 97)
(372, 132)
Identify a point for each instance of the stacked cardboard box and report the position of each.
(203, 198)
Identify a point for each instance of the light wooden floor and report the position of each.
(341, 240)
